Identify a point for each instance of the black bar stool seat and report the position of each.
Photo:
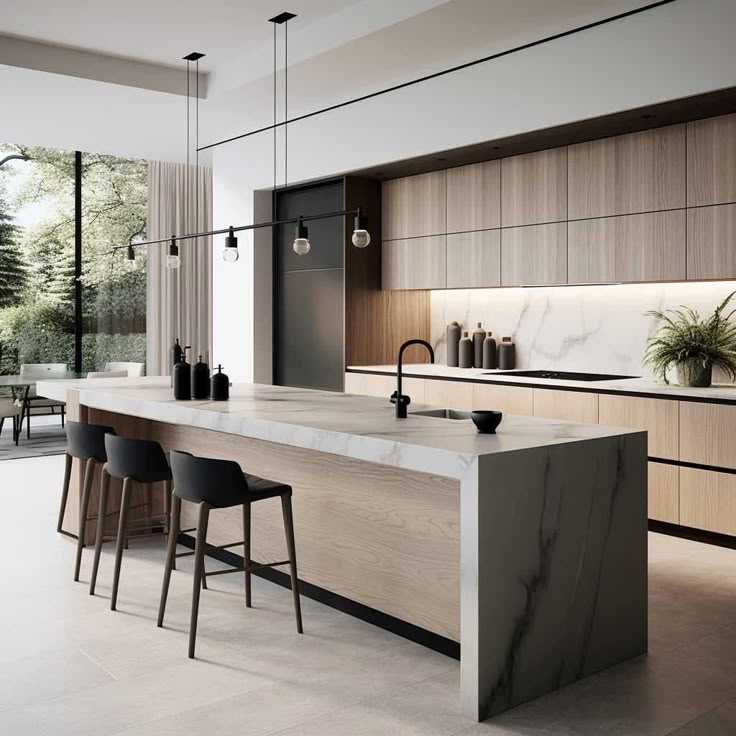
(85, 442)
(218, 484)
(131, 460)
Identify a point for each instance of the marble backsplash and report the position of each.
(601, 329)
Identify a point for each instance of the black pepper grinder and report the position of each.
(183, 378)
(220, 386)
(200, 380)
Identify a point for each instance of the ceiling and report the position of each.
(162, 31)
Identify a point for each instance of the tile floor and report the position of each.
(70, 666)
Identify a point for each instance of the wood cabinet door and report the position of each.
(534, 188)
(647, 247)
(711, 161)
(659, 417)
(664, 492)
(448, 394)
(415, 263)
(711, 237)
(382, 386)
(508, 399)
(708, 500)
(708, 434)
(534, 255)
(474, 197)
(571, 406)
(474, 259)
(638, 172)
(415, 206)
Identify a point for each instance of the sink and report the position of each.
(442, 413)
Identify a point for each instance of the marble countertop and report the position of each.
(360, 427)
(717, 392)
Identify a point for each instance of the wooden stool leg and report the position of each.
(83, 508)
(122, 535)
(291, 546)
(64, 489)
(204, 513)
(99, 536)
(168, 505)
(246, 551)
(170, 557)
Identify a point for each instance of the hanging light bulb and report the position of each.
(172, 259)
(301, 241)
(230, 254)
(131, 253)
(361, 237)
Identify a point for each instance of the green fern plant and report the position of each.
(686, 339)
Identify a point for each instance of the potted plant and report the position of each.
(693, 345)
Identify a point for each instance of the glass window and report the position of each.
(36, 256)
(114, 200)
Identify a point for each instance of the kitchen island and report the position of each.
(528, 547)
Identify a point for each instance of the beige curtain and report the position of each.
(179, 302)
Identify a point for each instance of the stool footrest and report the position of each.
(260, 565)
(184, 554)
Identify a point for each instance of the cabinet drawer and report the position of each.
(708, 434)
(448, 394)
(708, 500)
(664, 492)
(658, 416)
(570, 406)
(508, 399)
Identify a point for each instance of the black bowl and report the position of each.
(486, 421)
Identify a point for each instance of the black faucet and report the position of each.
(397, 397)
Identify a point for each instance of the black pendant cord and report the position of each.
(274, 107)
(451, 70)
(286, 104)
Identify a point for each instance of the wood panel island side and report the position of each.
(528, 548)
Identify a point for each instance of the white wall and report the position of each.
(675, 51)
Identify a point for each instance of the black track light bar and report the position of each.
(193, 56)
(284, 17)
(435, 75)
(229, 230)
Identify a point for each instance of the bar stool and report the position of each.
(220, 484)
(142, 461)
(84, 442)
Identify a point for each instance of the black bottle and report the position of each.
(219, 386)
(183, 378)
(175, 356)
(200, 380)
(506, 355)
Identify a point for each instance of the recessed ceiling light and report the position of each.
(496, 148)
(647, 116)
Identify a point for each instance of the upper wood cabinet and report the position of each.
(415, 206)
(534, 188)
(658, 416)
(534, 255)
(711, 237)
(474, 259)
(415, 263)
(711, 161)
(474, 197)
(648, 247)
(639, 172)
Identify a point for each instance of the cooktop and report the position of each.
(560, 375)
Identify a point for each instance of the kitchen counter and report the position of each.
(522, 547)
(718, 393)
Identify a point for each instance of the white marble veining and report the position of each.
(360, 427)
(601, 329)
(646, 386)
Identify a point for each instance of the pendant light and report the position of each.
(172, 259)
(131, 253)
(301, 241)
(230, 254)
(361, 237)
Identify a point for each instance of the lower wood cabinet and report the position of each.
(658, 416)
(382, 386)
(708, 500)
(448, 394)
(708, 434)
(664, 492)
(508, 399)
(570, 406)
